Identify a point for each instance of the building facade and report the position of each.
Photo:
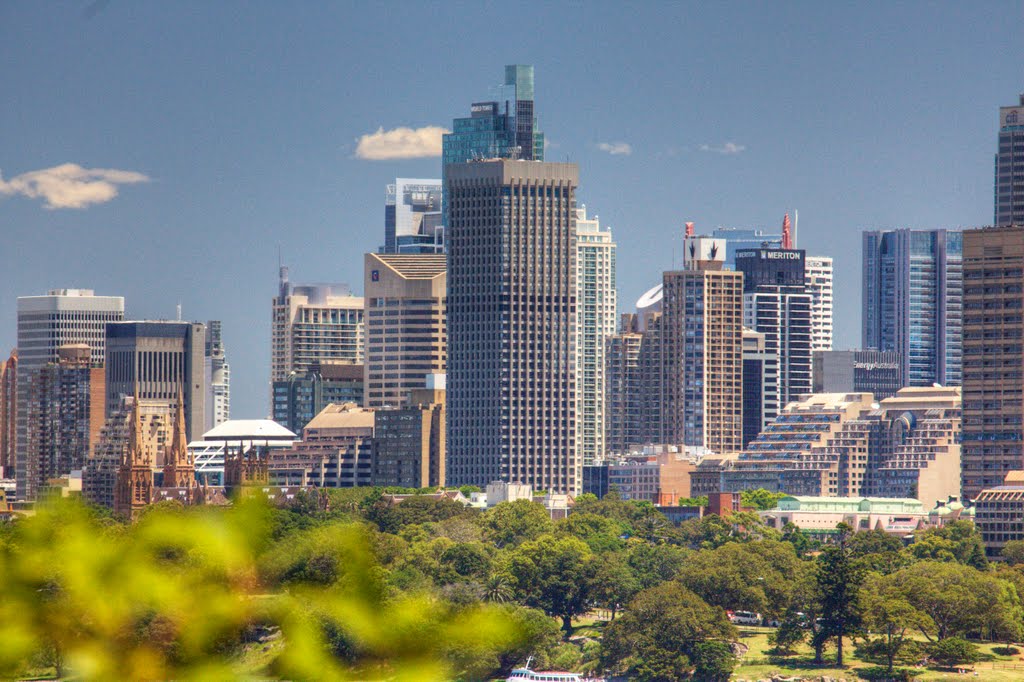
(858, 371)
(336, 451)
(776, 304)
(412, 217)
(298, 399)
(912, 301)
(504, 128)
(45, 323)
(702, 351)
(218, 377)
(737, 238)
(760, 385)
(314, 323)
(623, 387)
(406, 324)
(157, 361)
(8, 414)
(1009, 175)
(818, 283)
(512, 324)
(993, 357)
(596, 309)
(409, 443)
(999, 513)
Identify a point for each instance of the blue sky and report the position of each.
(233, 130)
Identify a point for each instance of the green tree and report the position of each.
(553, 574)
(760, 499)
(958, 541)
(892, 617)
(1013, 552)
(510, 523)
(420, 509)
(879, 551)
(839, 578)
(654, 564)
(614, 582)
(953, 651)
(601, 534)
(753, 576)
(801, 541)
(658, 635)
(713, 661)
(701, 501)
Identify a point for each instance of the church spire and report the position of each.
(135, 449)
(178, 470)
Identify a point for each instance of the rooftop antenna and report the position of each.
(796, 224)
(179, 311)
(787, 238)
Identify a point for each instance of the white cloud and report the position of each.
(400, 143)
(616, 148)
(727, 148)
(69, 185)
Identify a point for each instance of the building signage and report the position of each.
(765, 254)
(703, 249)
(872, 366)
(374, 275)
(1011, 116)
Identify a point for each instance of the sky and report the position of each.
(168, 152)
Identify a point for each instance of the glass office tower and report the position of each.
(913, 301)
(503, 128)
(1009, 180)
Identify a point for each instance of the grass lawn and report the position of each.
(999, 669)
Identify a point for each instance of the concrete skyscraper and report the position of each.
(818, 283)
(512, 324)
(596, 308)
(1009, 176)
(912, 301)
(406, 330)
(158, 361)
(702, 351)
(776, 304)
(45, 323)
(993, 357)
(313, 324)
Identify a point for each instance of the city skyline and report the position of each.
(272, 160)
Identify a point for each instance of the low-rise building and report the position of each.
(819, 516)
(409, 443)
(999, 513)
(659, 474)
(336, 451)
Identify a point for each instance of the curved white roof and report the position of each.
(651, 298)
(249, 429)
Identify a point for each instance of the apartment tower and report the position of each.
(818, 283)
(45, 323)
(596, 307)
(406, 333)
(512, 324)
(993, 357)
(702, 351)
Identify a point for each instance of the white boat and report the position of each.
(524, 674)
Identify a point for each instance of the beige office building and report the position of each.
(702, 350)
(405, 319)
(512, 324)
(993, 357)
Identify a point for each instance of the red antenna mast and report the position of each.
(787, 237)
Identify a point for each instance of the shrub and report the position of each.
(880, 673)
(1005, 650)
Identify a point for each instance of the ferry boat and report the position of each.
(524, 674)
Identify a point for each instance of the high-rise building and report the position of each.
(818, 283)
(313, 323)
(760, 385)
(776, 304)
(993, 357)
(512, 324)
(155, 361)
(737, 238)
(503, 128)
(912, 301)
(596, 308)
(299, 398)
(412, 217)
(858, 371)
(405, 320)
(409, 443)
(1009, 184)
(66, 413)
(702, 351)
(218, 378)
(8, 413)
(45, 323)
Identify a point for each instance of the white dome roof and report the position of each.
(249, 429)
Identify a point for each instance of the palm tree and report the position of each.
(498, 588)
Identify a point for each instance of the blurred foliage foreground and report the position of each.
(179, 595)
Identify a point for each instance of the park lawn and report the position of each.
(757, 640)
